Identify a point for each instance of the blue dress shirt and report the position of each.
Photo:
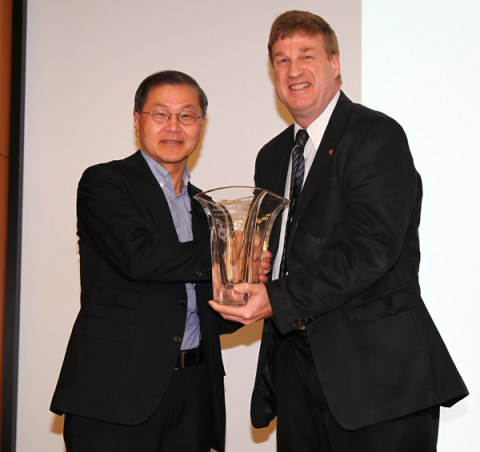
(180, 208)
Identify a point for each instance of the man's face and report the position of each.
(169, 144)
(305, 77)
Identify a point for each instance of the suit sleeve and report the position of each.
(373, 204)
(115, 222)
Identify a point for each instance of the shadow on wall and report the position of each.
(247, 335)
(57, 425)
(262, 435)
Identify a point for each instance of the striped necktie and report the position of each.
(296, 183)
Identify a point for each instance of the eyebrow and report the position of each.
(307, 49)
(302, 50)
(158, 104)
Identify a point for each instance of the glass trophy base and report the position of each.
(231, 298)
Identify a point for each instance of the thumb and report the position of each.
(243, 287)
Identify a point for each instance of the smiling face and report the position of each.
(306, 78)
(172, 143)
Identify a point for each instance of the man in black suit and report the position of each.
(350, 359)
(143, 369)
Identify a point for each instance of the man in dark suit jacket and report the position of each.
(350, 359)
(143, 369)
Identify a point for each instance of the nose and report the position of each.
(173, 124)
(294, 69)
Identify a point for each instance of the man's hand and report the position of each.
(266, 267)
(257, 308)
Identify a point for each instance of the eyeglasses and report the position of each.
(163, 116)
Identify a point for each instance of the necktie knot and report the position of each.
(301, 138)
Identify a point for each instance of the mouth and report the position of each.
(171, 141)
(299, 86)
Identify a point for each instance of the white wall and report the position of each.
(421, 66)
(85, 59)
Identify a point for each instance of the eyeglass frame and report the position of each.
(172, 114)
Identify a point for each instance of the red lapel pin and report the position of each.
(330, 151)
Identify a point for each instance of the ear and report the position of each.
(335, 63)
(136, 123)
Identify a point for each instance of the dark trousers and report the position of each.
(306, 424)
(182, 422)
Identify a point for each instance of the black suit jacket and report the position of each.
(353, 258)
(127, 335)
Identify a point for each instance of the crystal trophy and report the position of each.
(240, 220)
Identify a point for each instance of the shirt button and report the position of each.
(182, 302)
(177, 339)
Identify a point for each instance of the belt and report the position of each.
(191, 357)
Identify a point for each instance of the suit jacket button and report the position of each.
(294, 324)
(200, 273)
(177, 339)
(182, 302)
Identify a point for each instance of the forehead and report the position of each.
(300, 42)
(180, 96)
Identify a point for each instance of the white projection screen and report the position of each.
(85, 60)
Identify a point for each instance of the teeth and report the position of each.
(300, 86)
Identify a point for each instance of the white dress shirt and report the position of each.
(315, 134)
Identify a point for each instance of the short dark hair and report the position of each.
(292, 22)
(175, 78)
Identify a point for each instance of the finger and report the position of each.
(226, 310)
(244, 288)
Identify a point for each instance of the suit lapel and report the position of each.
(139, 173)
(323, 158)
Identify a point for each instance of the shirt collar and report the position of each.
(317, 128)
(161, 174)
